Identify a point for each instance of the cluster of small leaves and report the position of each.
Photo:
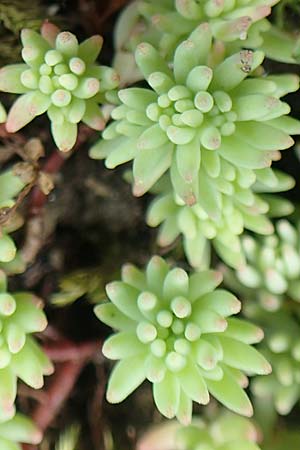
(20, 356)
(176, 331)
(269, 284)
(60, 77)
(195, 119)
(198, 228)
(166, 23)
(272, 269)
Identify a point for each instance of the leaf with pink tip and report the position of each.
(64, 135)
(90, 48)
(25, 109)
(93, 116)
(126, 376)
(230, 394)
(31, 38)
(49, 31)
(10, 78)
(167, 395)
(21, 429)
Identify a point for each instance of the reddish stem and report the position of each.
(74, 358)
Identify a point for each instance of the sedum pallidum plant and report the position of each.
(61, 77)
(177, 332)
(196, 118)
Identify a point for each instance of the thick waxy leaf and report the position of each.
(230, 73)
(124, 297)
(89, 49)
(10, 78)
(124, 380)
(149, 60)
(123, 345)
(264, 137)
(244, 357)
(230, 394)
(64, 135)
(26, 108)
(167, 395)
(149, 165)
(111, 316)
(193, 384)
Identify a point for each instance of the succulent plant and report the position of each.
(176, 331)
(60, 77)
(282, 348)
(272, 270)
(165, 24)
(20, 356)
(209, 123)
(241, 208)
(226, 432)
(18, 429)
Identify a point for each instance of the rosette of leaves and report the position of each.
(165, 24)
(208, 123)
(10, 186)
(226, 432)
(272, 269)
(176, 331)
(20, 355)
(241, 208)
(61, 77)
(18, 429)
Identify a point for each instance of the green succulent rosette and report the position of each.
(227, 432)
(165, 24)
(208, 122)
(18, 429)
(61, 77)
(20, 355)
(242, 208)
(271, 273)
(176, 331)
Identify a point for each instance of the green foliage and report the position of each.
(60, 77)
(77, 284)
(20, 356)
(235, 25)
(272, 268)
(194, 121)
(241, 208)
(226, 432)
(18, 429)
(176, 331)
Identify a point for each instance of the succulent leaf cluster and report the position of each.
(248, 209)
(210, 125)
(282, 348)
(61, 77)
(176, 331)
(20, 355)
(227, 432)
(272, 270)
(167, 23)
